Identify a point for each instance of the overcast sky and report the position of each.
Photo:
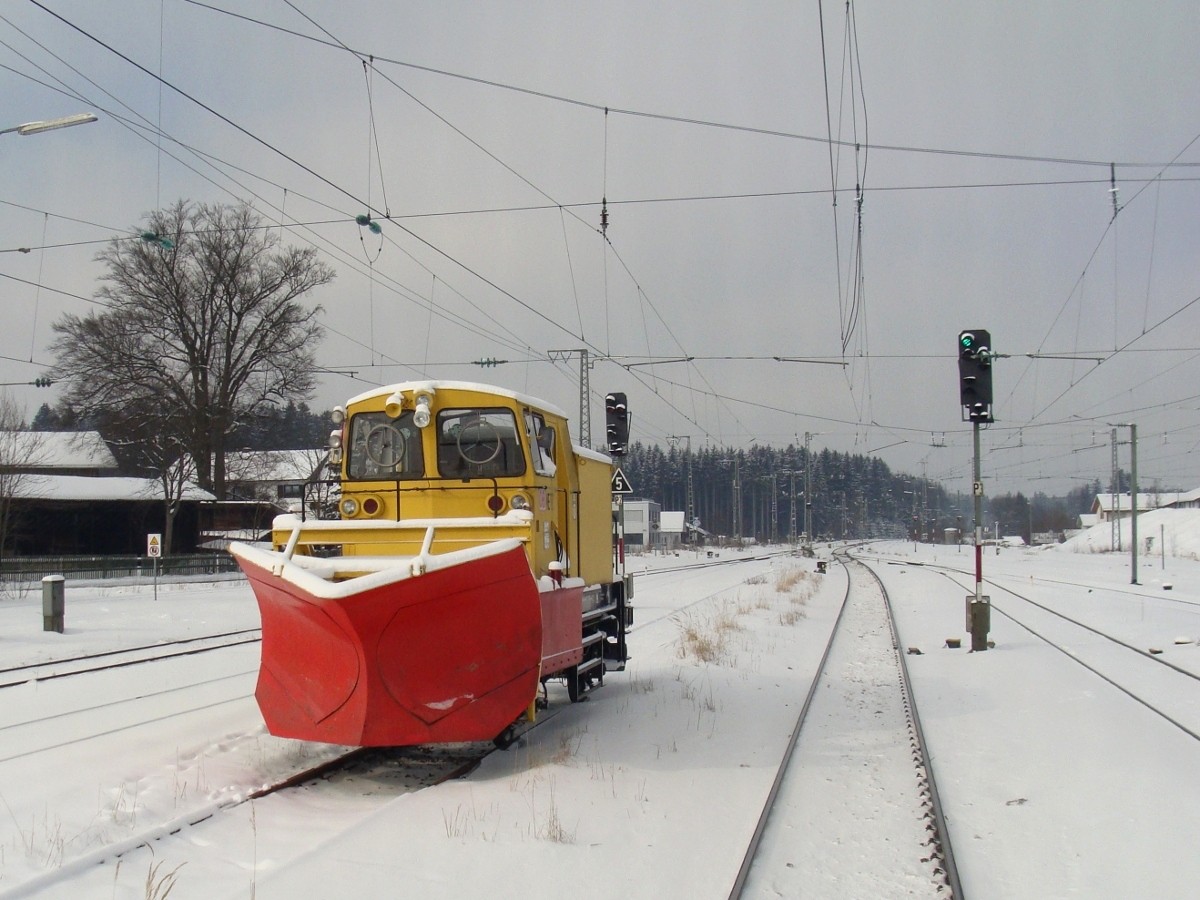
(477, 135)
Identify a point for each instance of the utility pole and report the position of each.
(774, 509)
(674, 440)
(1133, 498)
(585, 406)
(807, 491)
(1114, 529)
(737, 499)
(791, 474)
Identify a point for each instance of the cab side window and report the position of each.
(541, 440)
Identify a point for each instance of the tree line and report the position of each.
(851, 495)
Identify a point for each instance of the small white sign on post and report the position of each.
(154, 551)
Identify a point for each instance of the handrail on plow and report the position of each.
(457, 534)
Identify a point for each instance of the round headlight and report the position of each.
(519, 501)
(349, 507)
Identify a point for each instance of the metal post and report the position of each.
(807, 490)
(792, 507)
(737, 499)
(1133, 498)
(585, 390)
(979, 606)
(978, 493)
(774, 509)
(53, 603)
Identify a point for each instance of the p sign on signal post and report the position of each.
(154, 551)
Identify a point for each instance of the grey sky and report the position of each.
(494, 196)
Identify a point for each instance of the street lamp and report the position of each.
(50, 124)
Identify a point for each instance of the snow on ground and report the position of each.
(1162, 533)
(650, 788)
(1055, 783)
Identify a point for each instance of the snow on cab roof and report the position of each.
(526, 399)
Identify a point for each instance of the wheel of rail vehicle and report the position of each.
(578, 685)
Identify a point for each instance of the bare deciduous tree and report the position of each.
(149, 439)
(19, 448)
(203, 321)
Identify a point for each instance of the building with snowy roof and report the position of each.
(1107, 507)
(64, 496)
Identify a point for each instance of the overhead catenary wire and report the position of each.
(874, 189)
(204, 106)
(688, 120)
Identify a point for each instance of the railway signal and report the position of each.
(616, 414)
(975, 395)
(975, 375)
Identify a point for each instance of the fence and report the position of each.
(35, 568)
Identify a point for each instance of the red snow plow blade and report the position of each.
(442, 651)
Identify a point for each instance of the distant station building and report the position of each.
(642, 524)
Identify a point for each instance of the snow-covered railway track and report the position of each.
(389, 771)
(12, 676)
(138, 689)
(858, 728)
(712, 563)
(646, 616)
(1145, 675)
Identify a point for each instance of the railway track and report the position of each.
(393, 770)
(1141, 671)
(325, 770)
(1170, 691)
(863, 661)
(696, 570)
(64, 667)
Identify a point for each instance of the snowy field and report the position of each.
(1056, 784)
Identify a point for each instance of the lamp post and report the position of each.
(50, 124)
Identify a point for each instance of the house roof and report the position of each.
(273, 466)
(1145, 501)
(85, 488)
(57, 450)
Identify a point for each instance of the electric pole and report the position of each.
(585, 414)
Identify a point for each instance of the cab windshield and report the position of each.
(478, 443)
(385, 448)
